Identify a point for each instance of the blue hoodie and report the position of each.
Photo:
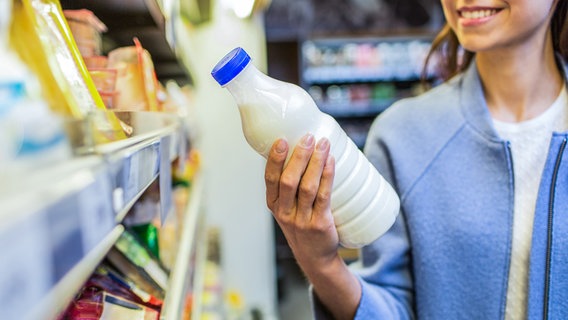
(448, 254)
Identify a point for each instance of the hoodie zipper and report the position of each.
(510, 156)
(549, 229)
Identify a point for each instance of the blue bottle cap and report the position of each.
(230, 66)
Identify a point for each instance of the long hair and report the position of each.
(451, 58)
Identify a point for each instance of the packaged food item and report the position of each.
(104, 79)
(143, 297)
(86, 29)
(364, 205)
(31, 135)
(109, 99)
(146, 265)
(99, 304)
(134, 273)
(147, 233)
(136, 82)
(150, 80)
(96, 62)
(55, 59)
(130, 81)
(115, 307)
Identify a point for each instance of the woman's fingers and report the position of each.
(273, 171)
(293, 172)
(310, 184)
(322, 203)
(298, 194)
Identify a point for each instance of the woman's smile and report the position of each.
(474, 16)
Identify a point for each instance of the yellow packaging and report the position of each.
(41, 36)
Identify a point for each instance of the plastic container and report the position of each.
(96, 62)
(86, 29)
(363, 203)
(135, 78)
(129, 81)
(104, 79)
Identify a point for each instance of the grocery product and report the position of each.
(364, 205)
(86, 29)
(31, 135)
(55, 59)
(136, 82)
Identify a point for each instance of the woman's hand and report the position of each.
(298, 194)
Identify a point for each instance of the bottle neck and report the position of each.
(248, 77)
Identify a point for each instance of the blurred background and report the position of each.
(127, 189)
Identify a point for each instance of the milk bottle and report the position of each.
(364, 205)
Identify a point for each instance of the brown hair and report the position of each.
(452, 58)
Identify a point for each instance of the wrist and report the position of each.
(336, 287)
(328, 265)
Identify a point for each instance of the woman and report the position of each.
(481, 169)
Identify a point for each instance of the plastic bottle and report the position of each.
(363, 203)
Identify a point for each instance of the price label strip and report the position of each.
(166, 198)
(132, 174)
(25, 267)
(65, 239)
(96, 210)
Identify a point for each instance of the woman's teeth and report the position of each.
(478, 13)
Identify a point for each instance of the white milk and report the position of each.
(363, 203)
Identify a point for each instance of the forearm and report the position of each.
(336, 287)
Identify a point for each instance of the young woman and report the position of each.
(481, 167)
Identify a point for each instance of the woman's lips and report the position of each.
(476, 16)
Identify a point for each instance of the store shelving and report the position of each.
(199, 276)
(136, 162)
(46, 219)
(151, 21)
(59, 220)
(62, 220)
(362, 74)
(356, 78)
(183, 274)
(59, 296)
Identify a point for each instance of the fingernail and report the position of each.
(322, 144)
(281, 146)
(308, 140)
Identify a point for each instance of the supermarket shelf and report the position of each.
(50, 222)
(199, 282)
(146, 125)
(57, 223)
(145, 20)
(133, 170)
(355, 109)
(355, 78)
(65, 290)
(40, 188)
(349, 74)
(189, 242)
(136, 162)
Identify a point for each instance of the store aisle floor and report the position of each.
(295, 303)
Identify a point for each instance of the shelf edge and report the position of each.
(63, 292)
(173, 305)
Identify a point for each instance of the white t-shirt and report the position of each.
(529, 141)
